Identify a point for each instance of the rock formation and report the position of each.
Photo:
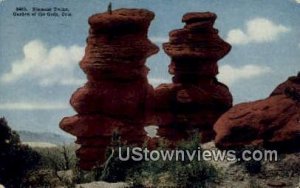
(195, 99)
(289, 86)
(114, 100)
(272, 123)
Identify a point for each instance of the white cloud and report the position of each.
(156, 81)
(48, 66)
(66, 82)
(53, 66)
(297, 1)
(32, 106)
(159, 39)
(258, 30)
(229, 74)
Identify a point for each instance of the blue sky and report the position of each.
(39, 55)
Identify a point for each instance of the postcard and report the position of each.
(148, 93)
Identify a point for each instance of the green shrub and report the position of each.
(161, 173)
(16, 160)
(252, 166)
(58, 158)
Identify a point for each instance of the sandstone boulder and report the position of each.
(273, 122)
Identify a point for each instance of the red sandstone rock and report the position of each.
(190, 41)
(91, 153)
(202, 20)
(121, 72)
(112, 98)
(99, 126)
(129, 51)
(117, 96)
(192, 97)
(130, 19)
(272, 122)
(191, 68)
(195, 99)
(292, 83)
(91, 125)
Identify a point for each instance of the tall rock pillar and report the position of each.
(114, 99)
(195, 99)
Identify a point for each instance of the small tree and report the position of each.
(16, 160)
(109, 8)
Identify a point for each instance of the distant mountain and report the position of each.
(47, 137)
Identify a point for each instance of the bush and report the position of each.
(57, 167)
(58, 158)
(161, 173)
(252, 166)
(16, 160)
(42, 166)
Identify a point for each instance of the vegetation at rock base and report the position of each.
(22, 166)
(251, 166)
(162, 173)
